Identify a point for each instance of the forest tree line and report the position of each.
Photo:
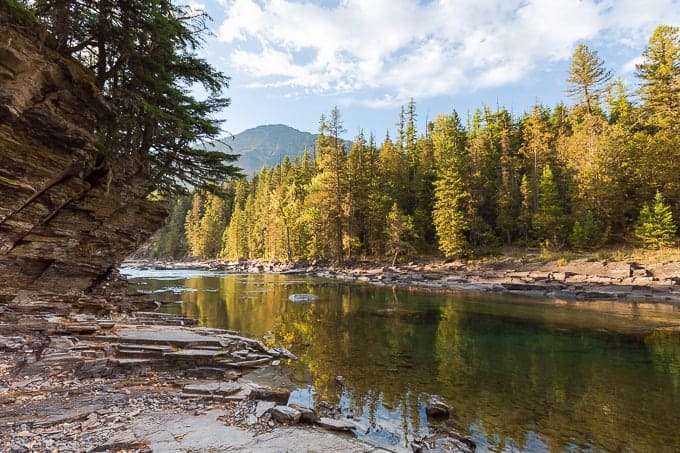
(604, 170)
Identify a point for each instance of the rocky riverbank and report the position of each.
(580, 279)
(76, 376)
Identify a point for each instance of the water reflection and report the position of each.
(527, 375)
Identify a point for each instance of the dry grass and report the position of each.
(561, 257)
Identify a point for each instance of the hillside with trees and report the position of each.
(604, 170)
(264, 146)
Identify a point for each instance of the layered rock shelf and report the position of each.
(69, 211)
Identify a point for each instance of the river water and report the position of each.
(521, 374)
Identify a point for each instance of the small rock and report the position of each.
(278, 395)
(308, 415)
(263, 407)
(285, 414)
(437, 407)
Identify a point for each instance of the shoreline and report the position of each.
(578, 280)
(90, 379)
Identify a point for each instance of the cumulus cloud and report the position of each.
(406, 48)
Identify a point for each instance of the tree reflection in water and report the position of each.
(530, 375)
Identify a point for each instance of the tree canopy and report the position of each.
(578, 176)
(143, 56)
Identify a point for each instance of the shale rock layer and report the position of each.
(69, 212)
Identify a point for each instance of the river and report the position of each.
(521, 374)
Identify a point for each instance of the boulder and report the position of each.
(286, 414)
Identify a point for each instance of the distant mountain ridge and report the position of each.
(266, 145)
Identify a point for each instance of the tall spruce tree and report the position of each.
(452, 203)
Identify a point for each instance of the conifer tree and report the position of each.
(171, 240)
(399, 228)
(452, 198)
(588, 78)
(527, 208)
(655, 227)
(660, 76)
(192, 225)
(550, 222)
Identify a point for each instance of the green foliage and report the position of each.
(172, 242)
(143, 56)
(550, 221)
(655, 227)
(552, 177)
(660, 76)
(585, 234)
(399, 229)
(452, 198)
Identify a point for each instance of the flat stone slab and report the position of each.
(212, 388)
(335, 425)
(168, 432)
(196, 354)
(159, 335)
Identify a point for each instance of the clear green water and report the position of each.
(521, 374)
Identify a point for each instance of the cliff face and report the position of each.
(68, 213)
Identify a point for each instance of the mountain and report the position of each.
(266, 145)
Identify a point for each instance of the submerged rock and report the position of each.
(302, 298)
(436, 407)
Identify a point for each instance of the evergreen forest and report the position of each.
(603, 169)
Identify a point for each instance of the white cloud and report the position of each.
(631, 65)
(406, 48)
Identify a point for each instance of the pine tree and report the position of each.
(655, 227)
(660, 76)
(598, 159)
(399, 229)
(192, 225)
(452, 198)
(550, 222)
(171, 240)
(527, 208)
(332, 179)
(216, 214)
(585, 235)
(588, 78)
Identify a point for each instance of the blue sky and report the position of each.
(292, 60)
